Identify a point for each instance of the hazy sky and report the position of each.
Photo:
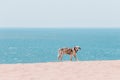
(60, 13)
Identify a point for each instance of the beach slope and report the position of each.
(81, 70)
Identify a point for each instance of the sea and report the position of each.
(38, 45)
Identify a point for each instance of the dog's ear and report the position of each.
(79, 48)
(75, 49)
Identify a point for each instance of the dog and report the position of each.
(69, 51)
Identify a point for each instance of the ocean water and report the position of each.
(35, 45)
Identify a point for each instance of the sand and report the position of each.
(81, 70)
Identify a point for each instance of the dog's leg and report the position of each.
(70, 57)
(58, 56)
(75, 57)
(61, 57)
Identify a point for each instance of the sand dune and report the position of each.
(82, 70)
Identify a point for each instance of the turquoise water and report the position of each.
(41, 45)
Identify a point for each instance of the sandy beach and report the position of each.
(81, 70)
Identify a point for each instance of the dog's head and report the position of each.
(76, 48)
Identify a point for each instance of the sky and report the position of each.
(60, 13)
